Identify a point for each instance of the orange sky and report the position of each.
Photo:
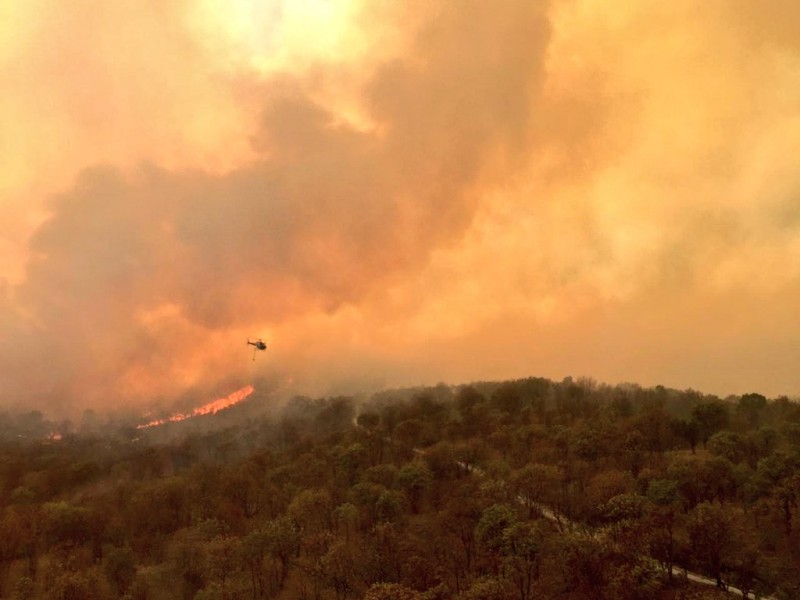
(396, 193)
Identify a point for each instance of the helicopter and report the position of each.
(257, 345)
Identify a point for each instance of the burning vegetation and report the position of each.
(208, 408)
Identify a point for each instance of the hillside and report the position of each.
(519, 489)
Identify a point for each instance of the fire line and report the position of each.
(206, 409)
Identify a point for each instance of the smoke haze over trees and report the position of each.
(395, 193)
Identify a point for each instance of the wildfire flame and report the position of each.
(208, 408)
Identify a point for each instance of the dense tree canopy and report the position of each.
(512, 490)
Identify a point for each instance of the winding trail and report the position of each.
(562, 521)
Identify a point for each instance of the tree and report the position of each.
(311, 509)
(745, 563)
(223, 554)
(159, 507)
(336, 415)
(66, 524)
(521, 548)
(391, 591)
(460, 518)
(11, 540)
(655, 426)
(339, 569)
(467, 397)
(779, 473)
(350, 461)
(409, 432)
(689, 430)
(490, 529)
(383, 474)
(660, 521)
(253, 551)
(508, 399)
(383, 555)
(622, 507)
(390, 506)
(710, 534)
(346, 516)
(370, 422)
(750, 407)
(718, 476)
(583, 565)
(710, 417)
(537, 485)
(71, 585)
(765, 441)
(729, 445)
(23, 589)
(603, 486)
(120, 568)
(489, 588)
(415, 478)
(282, 541)
(791, 433)
(243, 490)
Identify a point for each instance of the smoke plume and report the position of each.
(396, 193)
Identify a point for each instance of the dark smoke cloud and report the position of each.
(134, 272)
(484, 190)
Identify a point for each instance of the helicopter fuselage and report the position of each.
(259, 345)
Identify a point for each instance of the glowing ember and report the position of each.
(207, 409)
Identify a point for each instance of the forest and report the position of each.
(516, 490)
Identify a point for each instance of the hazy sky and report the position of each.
(396, 193)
